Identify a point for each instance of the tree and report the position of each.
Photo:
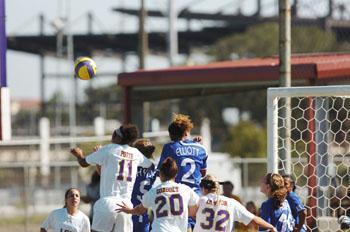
(262, 40)
(246, 139)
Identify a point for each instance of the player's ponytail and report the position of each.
(277, 188)
(168, 169)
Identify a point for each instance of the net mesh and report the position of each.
(319, 146)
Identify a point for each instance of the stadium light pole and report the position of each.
(143, 120)
(5, 115)
(172, 32)
(285, 76)
(172, 44)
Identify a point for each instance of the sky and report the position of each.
(23, 68)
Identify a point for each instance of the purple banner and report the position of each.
(3, 45)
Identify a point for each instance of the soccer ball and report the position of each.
(85, 68)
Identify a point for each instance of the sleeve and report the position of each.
(194, 198)
(204, 164)
(144, 162)
(48, 223)
(165, 153)
(99, 156)
(147, 200)
(295, 203)
(241, 213)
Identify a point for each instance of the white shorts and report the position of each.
(106, 219)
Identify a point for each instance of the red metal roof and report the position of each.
(317, 67)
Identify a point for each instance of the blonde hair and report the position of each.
(179, 126)
(278, 189)
(184, 120)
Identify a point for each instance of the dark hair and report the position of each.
(227, 183)
(278, 190)
(128, 133)
(251, 207)
(145, 147)
(290, 177)
(66, 195)
(168, 168)
(180, 124)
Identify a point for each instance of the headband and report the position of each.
(119, 132)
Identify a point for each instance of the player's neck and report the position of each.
(72, 211)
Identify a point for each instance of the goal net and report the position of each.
(309, 138)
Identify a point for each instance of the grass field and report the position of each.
(20, 224)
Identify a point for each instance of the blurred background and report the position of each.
(52, 111)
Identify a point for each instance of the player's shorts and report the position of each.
(140, 223)
(107, 219)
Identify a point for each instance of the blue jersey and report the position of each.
(144, 180)
(191, 158)
(295, 206)
(280, 218)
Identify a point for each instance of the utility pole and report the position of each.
(70, 58)
(42, 69)
(172, 33)
(144, 107)
(142, 36)
(285, 76)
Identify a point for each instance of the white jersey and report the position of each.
(218, 213)
(118, 168)
(59, 220)
(169, 201)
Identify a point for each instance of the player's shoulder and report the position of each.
(134, 151)
(83, 215)
(183, 186)
(267, 204)
(292, 195)
(59, 212)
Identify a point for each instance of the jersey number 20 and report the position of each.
(175, 202)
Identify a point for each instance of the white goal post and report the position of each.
(319, 139)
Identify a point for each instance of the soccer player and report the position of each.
(216, 212)
(119, 162)
(68, 218)
(144, 180)
(276, 209)
(297, 208)
(170, 201)
(190, 156)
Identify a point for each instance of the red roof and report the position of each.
(317, 67)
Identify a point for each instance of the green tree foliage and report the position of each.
(103, 101)
(246, 139)
(262, 40)
(212, 106)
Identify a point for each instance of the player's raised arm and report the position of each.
(78, 153)
(258, 221)
(138, 210)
